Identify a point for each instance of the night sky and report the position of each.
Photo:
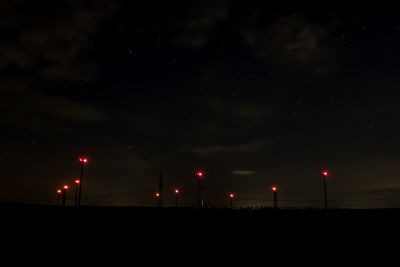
(255, 93)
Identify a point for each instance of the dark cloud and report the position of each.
(199, 26)
(253, 146)
(51, 42)
(290, 40)
(244, 172)
(41, 46)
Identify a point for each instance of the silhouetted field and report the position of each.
(179, 229)
(150, 216)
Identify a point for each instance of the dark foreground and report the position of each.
(226, 233)
(206, 218)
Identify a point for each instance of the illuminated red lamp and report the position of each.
(231, 195)
(77, 181)
(66, 187)
(274, 188)
(200, 174)
(157, 194)
(59, 191)
(325, 173)
(176, 191)
(83, 160)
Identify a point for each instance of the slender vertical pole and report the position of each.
(326, 199)
(80, 186)
(176, 200)
(275, 200)
(198, 191)
(201, 196)
(231, 202)
(76, 194)
(58, 199)
(64, 197)
(160, 190)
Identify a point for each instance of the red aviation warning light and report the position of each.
(157, 195)
(66, 187)
(176, 191)
(199, 173)
(231, 195)
(77, 181)
(83, 160)
(59, 191)
(274, 188)
(325, 173)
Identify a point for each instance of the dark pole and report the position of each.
(275, 199)
(160, 191)
(326, 199)
(76, 194)
(231, 202)
(201, 196)
(176, 200)
(198, 191)
(58, 198)
(80, 186)
(64, 197)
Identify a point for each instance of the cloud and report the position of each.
(51, 42)
(252, 113)
(200, 25)
(256, 145)
(44, 45)
(24, 107)
(243, 173)
(291, 39)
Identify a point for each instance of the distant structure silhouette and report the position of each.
(160, 191)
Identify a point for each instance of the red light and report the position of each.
(157, 194)
(231, 195)
(77, 181)
(325, 173)
(59, 191)
(66, 187)
(83, 160)
(176, 191)
(274, 188)
(200, 174)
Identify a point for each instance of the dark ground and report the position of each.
(155, 219)
(151, 233)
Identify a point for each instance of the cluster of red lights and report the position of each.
(83, 160)
(60, 191)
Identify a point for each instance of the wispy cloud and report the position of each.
(244, 172)
(240, 148)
